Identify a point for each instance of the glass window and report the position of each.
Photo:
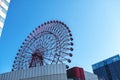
(115, 59)
(4, 1)
(2, 19)
(3, 9)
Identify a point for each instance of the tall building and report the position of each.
(108, 69)
(4, 4)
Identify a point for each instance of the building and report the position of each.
(108, 69)
(90, 76)
(77, 73)
(49, 72)
(4, 4)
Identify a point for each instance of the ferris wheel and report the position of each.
(49, 43)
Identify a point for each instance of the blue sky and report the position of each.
(95, 25)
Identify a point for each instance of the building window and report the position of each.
(2, 19)
(4, 1)
(3, 9)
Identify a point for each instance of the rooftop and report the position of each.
(106, 61)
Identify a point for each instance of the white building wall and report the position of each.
(70, 79)
(49, 72)
(3, 13)
(90, 76)
(8, 1)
